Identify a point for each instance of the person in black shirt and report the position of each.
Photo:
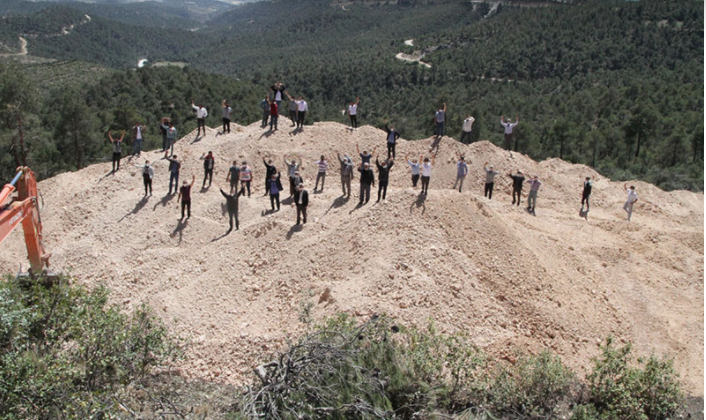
(271, 170)
(232, 205)
(208, 164)
(383, 176)
(392, 137)
(301, 200)
(367, 179)
(517, 182)
(587, 187)
(233, 176)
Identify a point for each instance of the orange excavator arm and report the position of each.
(24, 209)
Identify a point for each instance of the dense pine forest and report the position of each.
(615, 85)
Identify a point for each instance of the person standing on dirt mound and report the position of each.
(265, 107)
(383, 176)
(147, 175)
(461, 172)
(367, 179)
(201, 115)
(440, 120)
(117, 149)
(508, 130)
(208, 163)
(392, 136)
(293, 111)
(321, 174)
(301, 200)
(232, 206)
(278, 92)
(245, 178)
(274, 186)
(271, 170)
(171, 136)
(416, 167)
(292, 168)
(427, 165)
(185, 196)
(489, 180)
(227, 110)
(274, 115)
(517, 182)
(138, 131)
(174, 167)
(466, 130)
(233, 176)
(587, 187)
(534, 189)
(632, 199)
(353, 113)
(346, 174)
(302, 108)
(365, 156)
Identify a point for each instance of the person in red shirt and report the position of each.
(274, 114)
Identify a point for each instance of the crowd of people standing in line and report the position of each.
(239, 177)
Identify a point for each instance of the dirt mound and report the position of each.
(511, 280)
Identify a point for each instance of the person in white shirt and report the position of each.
(147, 175)
(302, 107)
(426, 172)
(138, 131)
(353, 113)
(226, 116)
(201, 115)
(632, 199)
(466, 131)
(508, 130)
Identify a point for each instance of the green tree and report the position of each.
(75, 130)
(18, 97)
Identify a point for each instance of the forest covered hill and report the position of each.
(612, 84)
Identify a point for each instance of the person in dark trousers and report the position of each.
(174, 167)
(293, 111)
(461, 172)
(518, 181)
(147, 175)
(232, 206)
(416, 167)
(367, 179)
(302, 108)
(346, 174)
(274, 186)
(587, 187)
(226, 116)
(353, 113)
(440, 120)
(278, 92)
(392, 136)
(185, 196)
(233, 176)
(208, 163)
(292, 168)
(427, 166)
(466, 130)
(117, 149)
(365, 157)
(321, 174)
(201, 115)
(489, 180)
(163, 131)
(301, 200)
(171, 137)
(509, 126)
(265, 107)
(383, 176)
(535, 183)
(274, 114)
(270, 170)
(138, 133)
(245, 178)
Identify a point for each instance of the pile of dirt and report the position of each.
(510, 280)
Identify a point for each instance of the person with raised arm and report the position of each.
(270, 169)
(632, 199)
(208, 163)
(233, 176)
(416, 166)
(147, 175)
(466, 130)
(392, 136)
(518, 180)
(174, 168)
(346, 173)
(292, 168)
(138, 134)
(426, 172)
(489, 180)
(117, 149)
(302, 108)
(383, 176)
(278, 92)
(232, 206)
(227, 110)
(201, 114)
(461, 171)
(508, 130)
(353, 113)
(365, 157)
(185, 196)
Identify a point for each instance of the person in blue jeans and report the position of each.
(174, 167)
(440, 119)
